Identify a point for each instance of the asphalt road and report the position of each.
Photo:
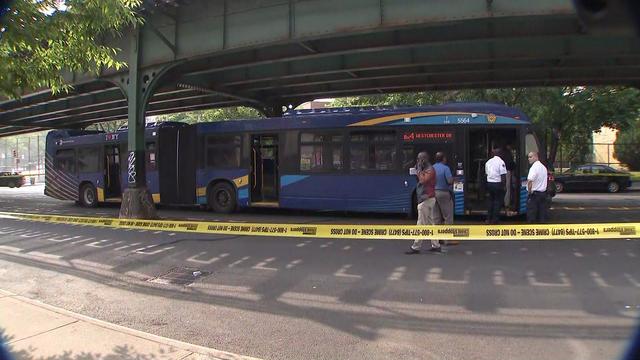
(566, 208)
(280, 298)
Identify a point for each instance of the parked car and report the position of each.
(11, 179)
(592, 178)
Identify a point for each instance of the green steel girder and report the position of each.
(272, 52)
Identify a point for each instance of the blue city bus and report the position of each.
(357, 159)
(347, 159)
(90, 167)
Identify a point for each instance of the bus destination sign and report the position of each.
(428, 136)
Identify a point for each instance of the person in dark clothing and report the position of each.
(496, 171)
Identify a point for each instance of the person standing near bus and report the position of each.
(443, 211)
(426, 197)
(537, 190)
(496, 171)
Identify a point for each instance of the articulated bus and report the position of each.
(347, 159)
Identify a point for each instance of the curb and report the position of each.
(197, 349)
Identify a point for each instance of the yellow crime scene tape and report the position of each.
(368, 232)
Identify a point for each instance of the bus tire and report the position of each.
(88, 196)
(222, 198)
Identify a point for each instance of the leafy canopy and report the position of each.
(39, 39)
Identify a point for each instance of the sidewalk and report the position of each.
(33, 330)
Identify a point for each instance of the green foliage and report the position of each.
(40, 40)
(222, 114)
(566, 115)
(627, 146)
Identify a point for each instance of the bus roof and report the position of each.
(472, 113)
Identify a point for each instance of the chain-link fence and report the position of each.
(620, 156)
(24, 154)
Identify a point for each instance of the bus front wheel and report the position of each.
(222, 198)
(88, 196)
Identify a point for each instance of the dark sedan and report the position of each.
(592, 178)
(11, 179)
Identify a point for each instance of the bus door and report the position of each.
(186, 169)
(264, 170)
(112, 171)
(480, 143)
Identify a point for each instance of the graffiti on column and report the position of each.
(132, 168)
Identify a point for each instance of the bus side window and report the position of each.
(384, 150)
(320, 152)
(408, 157)
(66, 161)
(223, 151)
(88, 160)
(373, 150)
(150, 157)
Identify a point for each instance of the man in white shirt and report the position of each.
(537, 189)
(496, 171)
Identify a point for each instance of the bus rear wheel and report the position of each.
(88, 196)
(222, 198)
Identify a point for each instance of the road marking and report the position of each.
(83, 240)
(524, 249)
(126, 246)
(14, 232)
(498, 277)
(631, 254)
(261, 265)
(369, 249)
(32, 235)
(346, 247)
(303, 243)
(239, 261)
(598, 279)
(468, 252)
(604, 252)
(435, 276)
(577, 254)
(195, 259)
(633, 281)
(397, 273)
(564, 280)
(326, 244)
(143, 250)
(98, 244)
(342, 272)
(59, 239)
(292, 264)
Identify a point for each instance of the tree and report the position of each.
(567, 115)
(222, 114)
(39, 39)
(627, 146)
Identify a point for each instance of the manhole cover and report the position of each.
(180, 276)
